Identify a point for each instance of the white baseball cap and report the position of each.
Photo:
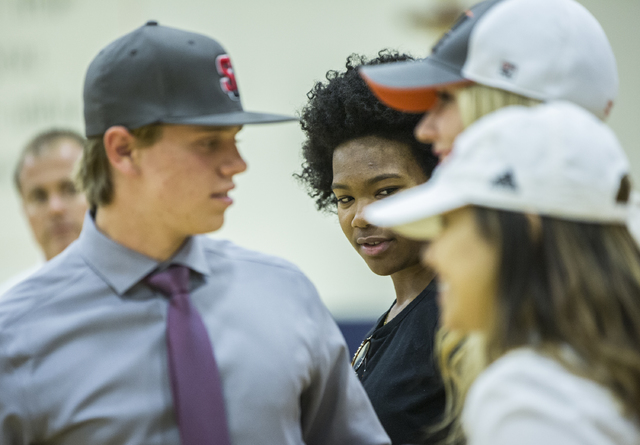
(554, 159)
(542, 49)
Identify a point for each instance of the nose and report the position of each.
(358, 220)
(425, 131)
(233, 162)
(56, 204)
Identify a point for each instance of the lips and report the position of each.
(373, 245)
(223, 196)
(62, 229)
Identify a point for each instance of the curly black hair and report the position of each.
(342, 109)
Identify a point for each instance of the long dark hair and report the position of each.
(569, 283)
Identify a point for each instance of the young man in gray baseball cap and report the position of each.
(144, 331)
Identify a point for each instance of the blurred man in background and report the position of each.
(53, 207)
(43, 178)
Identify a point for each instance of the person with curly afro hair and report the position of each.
(358, 151)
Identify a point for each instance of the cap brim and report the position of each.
(230, 119)
(415, 213)
(409, 86)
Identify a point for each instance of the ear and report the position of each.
(119, 146)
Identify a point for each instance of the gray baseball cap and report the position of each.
(158, 74)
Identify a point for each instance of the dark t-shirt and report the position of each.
(400, 374)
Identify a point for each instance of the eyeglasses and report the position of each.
(361, 354)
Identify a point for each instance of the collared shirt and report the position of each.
(83, 358)
(20, 276)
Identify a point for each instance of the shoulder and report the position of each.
(525, 369)
(525, 390)
(255, 271)
(516, 366)
(427, 306)
(217, 249)
(19, 277)
(56, 277)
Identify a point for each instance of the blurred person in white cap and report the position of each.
(526, 223)
(499, 53)
(145, 331)
(54, 208)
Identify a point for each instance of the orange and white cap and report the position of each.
(542, 49)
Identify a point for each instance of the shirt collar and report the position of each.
(121, 268)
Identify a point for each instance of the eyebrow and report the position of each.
(371, 181)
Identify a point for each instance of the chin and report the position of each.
(204, 225)
(385, 266)
(212, 228)
(384, 270)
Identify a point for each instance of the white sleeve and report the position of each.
(527, 399)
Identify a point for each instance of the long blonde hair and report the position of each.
(461, 357)
(476, 101)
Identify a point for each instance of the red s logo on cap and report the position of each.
(227, 76)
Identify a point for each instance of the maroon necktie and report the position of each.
(195, 379)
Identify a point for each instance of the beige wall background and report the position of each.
(279, 49)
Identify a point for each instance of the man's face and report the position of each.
(54, 208)
(185, 177)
